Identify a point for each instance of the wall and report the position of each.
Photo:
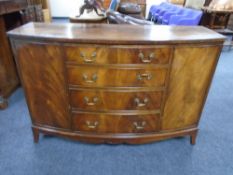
(65, 8)
(197, 4)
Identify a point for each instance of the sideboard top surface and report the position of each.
(116, 34)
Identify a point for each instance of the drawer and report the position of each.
(116, 77)
(118, 55)
(101, 123)
(109, 100)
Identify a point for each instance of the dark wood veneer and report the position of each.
(9, 19)
(148, 86)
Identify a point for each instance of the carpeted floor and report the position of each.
(212, 155)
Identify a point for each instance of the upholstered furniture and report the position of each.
(136, 8)
(187, 17)
(115, 83)
(115, 17)
(170, 14)
(130, 9)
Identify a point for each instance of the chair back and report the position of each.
(114, 5)
(195, 13)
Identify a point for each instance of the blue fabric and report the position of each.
(167, 13)
(190, 17)
(155, 10)
(212, 155)
(113, 5)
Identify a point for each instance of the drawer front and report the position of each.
(116, 77)
(116, 124)
(105, 100)
(123, 55)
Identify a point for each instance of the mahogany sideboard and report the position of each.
(103, 83)
(9, 18)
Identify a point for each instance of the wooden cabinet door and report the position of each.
(189, 82)
(41, 70)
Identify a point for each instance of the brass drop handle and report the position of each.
(93, 79)
(139, 125)
(141, 104)
(148, 59)
(89, 60)
(93, 103)
(92, 125)
(146, 76)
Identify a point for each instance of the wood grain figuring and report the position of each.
(190, 70)
(116, 34)
(42, 71)
(130, 86)
(115, 124)
(111, 77)
(8, 20)
(102, 100)
(118, 54)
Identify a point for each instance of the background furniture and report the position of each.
(141, 3)
(217, 14)
(41, 9)
(9, 18)
(33, 13)
(13, 13)
(134, 85)
(188, 18)
(131, 9)
(115, 17)
(230, 23)
(167, 13)
(215, 19)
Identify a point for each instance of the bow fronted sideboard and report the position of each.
(115, 83)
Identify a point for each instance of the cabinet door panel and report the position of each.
(42, 74)
(190, 78)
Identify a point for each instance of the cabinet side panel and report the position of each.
(190, 77)
(41, 69)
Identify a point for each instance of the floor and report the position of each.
(212, 155)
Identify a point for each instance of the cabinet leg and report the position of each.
(193, 137)
(3, 103)
(36, 134)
